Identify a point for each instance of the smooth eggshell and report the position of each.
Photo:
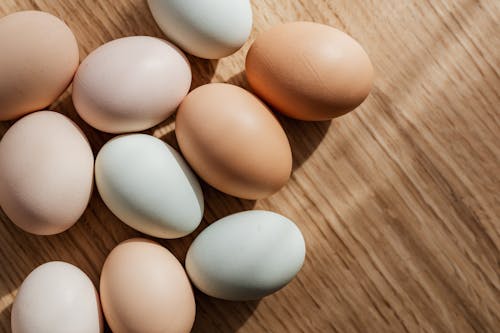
(233, 141)
(145, 289)
(309, 71)
(204, 28)
(46, 173)
(131, 84)
(56, 297)
(39, 56)
(246, 256)
(149, 186)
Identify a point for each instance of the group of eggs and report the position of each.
(228, 136)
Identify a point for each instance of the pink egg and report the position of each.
(131, 84)
(46, 173)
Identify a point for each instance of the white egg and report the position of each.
(56, 297)
(205, 28)
(149, 186)
(246, 256)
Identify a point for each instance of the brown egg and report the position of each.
(39, 56)
(233, 141)
(46, 173)
(309, 71)
(145, 289)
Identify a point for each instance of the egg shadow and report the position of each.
(95, 137)
(5, 308)
(4, 126)
(216, 315)
(304, 136)
(5, 318)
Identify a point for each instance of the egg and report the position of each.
(56, 297)
(233, 141)
(131, 84)
(149, 186)
(246, 256)
(204, 28)
(309, 71)
(145, 289)
(46, 173)
(39, 58)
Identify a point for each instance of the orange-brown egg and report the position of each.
(309, 71)
(38, 58)
(233, 141)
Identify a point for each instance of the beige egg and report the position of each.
(38, 58)
(46, 173)
(145, 289)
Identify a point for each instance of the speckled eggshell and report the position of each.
(246, 256)
(57, 297)
(131, 84)
(38, 58)
(46, 173)
(145, 289)
(205, 28)
(309, 71)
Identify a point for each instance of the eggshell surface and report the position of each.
(56, 297)
(233, 141)
(39, 56)
(246, 256)
(131, 84)
(46, 173)
(309, 71)
(148, 185)
(145, 289)
(205, 28)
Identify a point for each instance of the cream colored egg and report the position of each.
(57, 297)
(46, 173)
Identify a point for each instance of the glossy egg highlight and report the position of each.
(204, 28)
(148, 185)
(57, 297)
(309, 71)
(39, 56)
(233, 141)
(246, 256)
(145, 289)
(131, 84)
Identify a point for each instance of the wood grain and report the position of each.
(399, 201)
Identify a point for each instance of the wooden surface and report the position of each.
(399, 201)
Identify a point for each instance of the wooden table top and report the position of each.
(399, 201)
